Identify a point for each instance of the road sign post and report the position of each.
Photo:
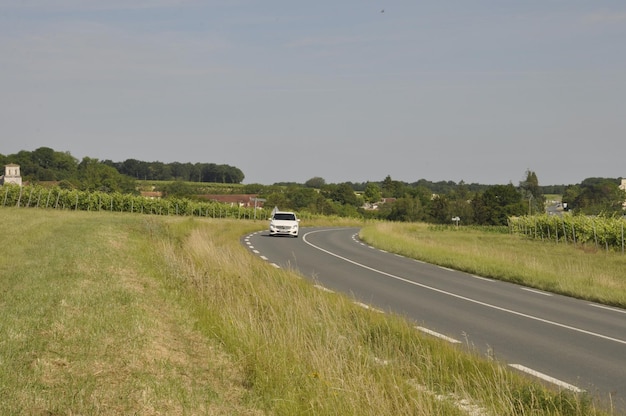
(255, 204)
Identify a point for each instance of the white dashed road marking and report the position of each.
(438, 335)
(546, 378)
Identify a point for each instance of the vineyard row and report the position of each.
(600, 231)
(56, 198)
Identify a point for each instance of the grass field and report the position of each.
(117, 314)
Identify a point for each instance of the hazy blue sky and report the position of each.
(349, 90)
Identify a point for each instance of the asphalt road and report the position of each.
(574, 344)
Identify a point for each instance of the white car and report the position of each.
(284, 223)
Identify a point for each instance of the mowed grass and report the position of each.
(88, 327)
(562, 268)
(117, 314)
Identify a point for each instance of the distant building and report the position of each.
(11, 175)
(242, 200)
(152, 194)
(623, 188)
(373, 206)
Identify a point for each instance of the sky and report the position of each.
(350, 91)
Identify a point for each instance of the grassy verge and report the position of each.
(126, 314)
(89, 327)
(592, 275)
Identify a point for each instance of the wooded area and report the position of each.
(388, 199)
(46, 164)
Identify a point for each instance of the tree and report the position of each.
(440, 210)
(181, 171)
(178, 189)
(315, 182)
(253, 188)
(44, 164)
(461, 192)
(44, 157)
(407, 209)
(96, 176)
(532, 192)
(160, 171)
(135, 168)
(460, 204)
(28, 168)
(570, 194)
(391, 188)
(65, 165)
(235, 175)
(595, 196)
(422, 193)
(211, 172)
(277, 199)
(301, 197)
(342, 194)
(324, 206)
(463, 210)
(372, 192)
(496, 204)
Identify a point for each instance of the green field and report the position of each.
(117, 314)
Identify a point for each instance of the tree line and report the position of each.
(440, 202)
(595, 196)
(47, 165)
(398, 201)
(187, 172)
(389, 199)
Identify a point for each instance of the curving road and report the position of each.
(574, 344)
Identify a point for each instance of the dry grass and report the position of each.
(89, 328)
(128, 314)
(308, 351)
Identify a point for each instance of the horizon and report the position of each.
(327, 182)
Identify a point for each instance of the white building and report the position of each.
(11, 175)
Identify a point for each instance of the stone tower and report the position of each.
(11, 175)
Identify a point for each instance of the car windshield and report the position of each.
(288, 217)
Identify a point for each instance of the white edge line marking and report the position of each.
(608, 308)
(482, 278)
(444, 292)
(257, 252)
(546, 378)
(275, 265)
(437, 334)
(539, 292)
(447, 268)
(264, 258)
